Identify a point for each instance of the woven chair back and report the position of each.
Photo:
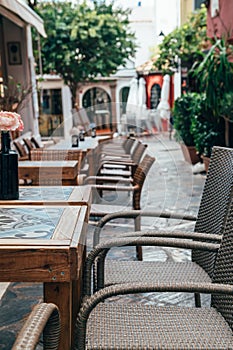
(214, 202)
(20, 149)
(138, 152)
(29, 145)
(139, 178)
(223, 272)
(38, 154)
(128, 145)
(35, 142)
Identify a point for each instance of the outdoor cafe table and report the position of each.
(54, 195)
(88, 144)
(49, 172)
(46, 244)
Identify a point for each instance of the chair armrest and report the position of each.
(128, 162)
(132, 214)
(44, 318)
(195, 236)
(110, 179)
(102, 249)
(112, 155)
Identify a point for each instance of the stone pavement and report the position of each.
(170, 185)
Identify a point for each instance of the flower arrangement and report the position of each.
(10, 121)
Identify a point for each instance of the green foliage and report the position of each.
(226, 106)
(207, 133)
(215, 78)
(184, 44)
(185, 109)
(84, 42)
(196, 125)
(215, 74)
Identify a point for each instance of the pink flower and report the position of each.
(10, 121)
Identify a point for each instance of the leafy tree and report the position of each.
(84, 42)
(184, 44)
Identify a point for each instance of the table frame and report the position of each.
(49, 172)
(57, 263)
(80, 195)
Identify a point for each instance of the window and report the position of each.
(198, 3)
(94, 101)
(155, 96)
(214, 7)
(51, 116)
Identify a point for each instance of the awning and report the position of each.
(23, 11)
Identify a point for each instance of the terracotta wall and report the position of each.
(222, 22)
(157, 78)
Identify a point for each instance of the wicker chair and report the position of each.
(94, 156)
(35, 142)
(53, 154)
(134, 185)
(113, 325)
(29, 145)
(209, 225)
(119, 146)
(110, 183)
(45, 319)
(126, 167)
(23, 155)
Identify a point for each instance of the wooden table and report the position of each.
(46, 244)
(52, 195)
(49, 172)
(88, 144)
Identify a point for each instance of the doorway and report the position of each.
(96, 101)
(155, 96)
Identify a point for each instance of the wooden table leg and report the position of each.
(61, 295)
(77, 290)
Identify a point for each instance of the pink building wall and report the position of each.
(222, 22)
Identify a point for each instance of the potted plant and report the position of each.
(215, 78)
(185, 108)
(207, 131)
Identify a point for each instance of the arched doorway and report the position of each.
(155, 96)
(96, 101)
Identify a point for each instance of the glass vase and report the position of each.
(9, 182)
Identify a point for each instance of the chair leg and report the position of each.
(137, 223)
(197, 297)
(137, 227)
(139, 253)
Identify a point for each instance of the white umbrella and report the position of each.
(142, 92)
(142, 111)
(163, 105)
(132, 100)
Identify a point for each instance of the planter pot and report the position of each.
(206, 161)
(190, 154)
